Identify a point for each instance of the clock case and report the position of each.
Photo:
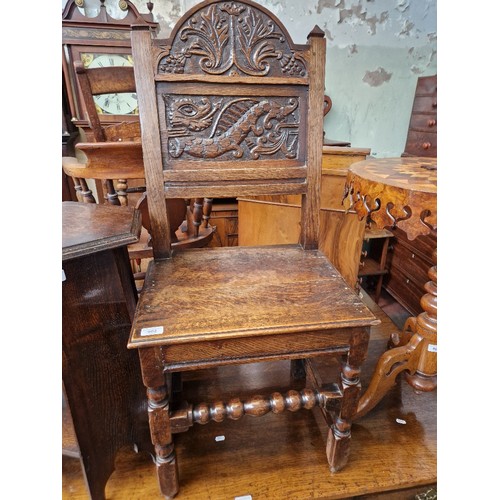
(97, 35)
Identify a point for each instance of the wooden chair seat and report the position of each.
(257, 302)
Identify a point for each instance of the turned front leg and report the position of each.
(339, 436)
(159, 422)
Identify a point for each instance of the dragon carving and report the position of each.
(202, 129)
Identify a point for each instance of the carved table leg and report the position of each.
(416, 355)
(425, 377)
(159, 423)
(339, 435)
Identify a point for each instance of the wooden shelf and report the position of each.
(374, 263)
(370, 267)
(373, 233)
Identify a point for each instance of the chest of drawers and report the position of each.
(422, 131)
(409, 262)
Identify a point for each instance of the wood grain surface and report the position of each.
(247, 291)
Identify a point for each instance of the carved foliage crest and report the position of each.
(232, 38)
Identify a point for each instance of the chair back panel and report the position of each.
(229, 106)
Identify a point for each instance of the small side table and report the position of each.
(103, 403)
(401, 192)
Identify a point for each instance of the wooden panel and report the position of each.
(341, 240)
(195, 355)
(102, 379)
(267, 223)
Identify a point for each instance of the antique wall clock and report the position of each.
(96, 42)
(112, 104)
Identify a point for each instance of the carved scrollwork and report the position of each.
(394, 192)
(232, 38)
(246, 127)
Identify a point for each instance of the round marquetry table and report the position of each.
(401, 192)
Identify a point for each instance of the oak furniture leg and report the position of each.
(415, 353)
(158, 394)
(339, 435)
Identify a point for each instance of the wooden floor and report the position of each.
(393, 451)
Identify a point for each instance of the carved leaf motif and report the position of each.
(232, 37)
(253, 36)
(211, 36)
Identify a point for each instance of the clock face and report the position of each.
(113, 104)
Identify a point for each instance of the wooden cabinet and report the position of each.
(271, 220)
(103, 399)
(409, 262)
(422, 131)
(224, 217)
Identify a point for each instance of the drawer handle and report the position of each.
(431, 123)
(412, 255)
(426, 145)
(407, 281)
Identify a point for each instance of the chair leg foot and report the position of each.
(168, 478)
(338, 447)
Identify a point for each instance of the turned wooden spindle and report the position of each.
(256, 406)
(197, 215)
(85, 193)
(207, 211)
(121, 191)
(111, 195)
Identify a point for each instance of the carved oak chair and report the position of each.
(230, 106)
